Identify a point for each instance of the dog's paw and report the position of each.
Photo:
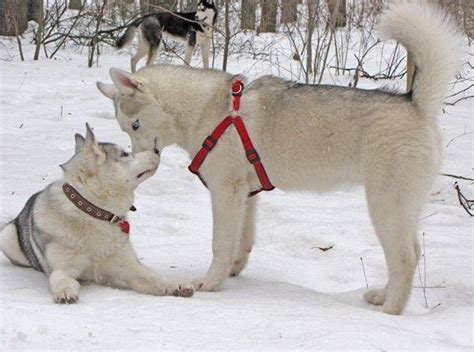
(375, 296)
(205, 285)
(183, 290)
(393, 310)
(68, 296)
(239, 265)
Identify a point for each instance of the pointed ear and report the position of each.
(92, 147)
(79, 142)
(109, 90)
(125, 82)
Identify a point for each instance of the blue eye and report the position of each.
(136, 125)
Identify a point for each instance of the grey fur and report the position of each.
(53, 236)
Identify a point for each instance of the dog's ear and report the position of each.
(125, 82)
(91, 146)
(109, 90)
(79, 142)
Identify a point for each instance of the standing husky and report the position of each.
(310, 138)
(65, 232)
(194, 28)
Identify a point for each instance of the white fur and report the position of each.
(427, 32)
(79, 247)
(309, 138)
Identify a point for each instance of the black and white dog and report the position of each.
(194, 28)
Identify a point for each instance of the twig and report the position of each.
(458, 177)
(365, 276)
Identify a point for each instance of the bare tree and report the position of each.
(13, 17)
(289, 11)
(268, 21)
(227, 35)
(248, 15)
(75, 4)
(337, 10)
(158, 5)
(35, 11)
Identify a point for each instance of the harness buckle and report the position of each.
(209, 143)
(252, 156)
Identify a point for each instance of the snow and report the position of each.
(292, 295)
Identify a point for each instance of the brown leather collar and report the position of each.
(87, 207)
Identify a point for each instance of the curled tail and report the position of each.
(129, 34)
(10, 246)
(428, 33)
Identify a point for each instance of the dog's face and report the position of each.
(108, 165)
(206, 11)
(137, 111)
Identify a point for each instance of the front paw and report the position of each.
(180, 290)
(207, 285)
(67, 295)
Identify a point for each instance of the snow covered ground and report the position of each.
(292, 295)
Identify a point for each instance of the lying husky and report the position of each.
(310, 138)
(75, 229)
(194, 28)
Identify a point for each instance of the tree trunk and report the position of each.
(75, 4)
(289, 11)
(35, 10)
(13, 17)
(340, 7)
(248, 15)
(158, 5)
(410, 72)
(227, 35)
(268, 21)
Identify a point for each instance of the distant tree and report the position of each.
(289, 11)
(247, 16)
(35, 11)
(13, 17)
(268, 20)
(75, 4)
(158, 5)
(337, 10)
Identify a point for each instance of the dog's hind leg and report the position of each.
(205, 48)
(190, 46)
(244, 246)
(396, 189)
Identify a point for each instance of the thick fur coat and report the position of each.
(311, 138)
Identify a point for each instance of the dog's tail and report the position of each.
(428, 33)
(129, 34)
(10, 246)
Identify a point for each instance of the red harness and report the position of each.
(252, 155)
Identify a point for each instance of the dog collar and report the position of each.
(98, 213)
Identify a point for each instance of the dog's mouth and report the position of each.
(147, 172)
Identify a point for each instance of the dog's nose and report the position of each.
(156, 151)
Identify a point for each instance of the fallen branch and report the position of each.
(458, 177)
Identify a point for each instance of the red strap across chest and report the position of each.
(252, 155)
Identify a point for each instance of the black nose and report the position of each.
(156, 151)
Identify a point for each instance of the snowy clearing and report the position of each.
(292, 295)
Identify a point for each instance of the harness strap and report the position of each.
(252, 155)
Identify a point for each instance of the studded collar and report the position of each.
(87, 207)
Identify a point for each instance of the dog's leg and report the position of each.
(64, 286)
(153, 53)
(394, 207)
(142, 51)
(228, 204)
(124, 268)
(190, 45)
(205, 47)
(244, 247)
